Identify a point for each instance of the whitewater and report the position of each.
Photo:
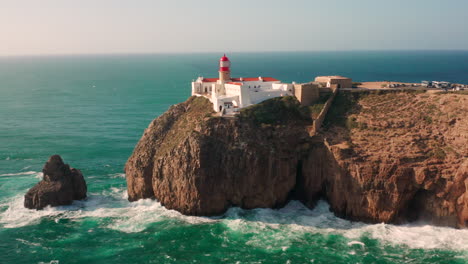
(273, 229)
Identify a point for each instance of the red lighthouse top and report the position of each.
(224, 58)
(224, 64)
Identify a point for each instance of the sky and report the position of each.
(168, 26)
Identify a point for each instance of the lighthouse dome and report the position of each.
(224, 58)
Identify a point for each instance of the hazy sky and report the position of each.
(140, 26)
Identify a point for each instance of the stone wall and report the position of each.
(306, 93)
(335, 81)
(318, 122)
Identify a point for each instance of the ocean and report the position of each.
(92, 111)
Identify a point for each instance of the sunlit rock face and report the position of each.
(370, 162)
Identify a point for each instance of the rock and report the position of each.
(60, 186)
(200, 164)
(402, 173)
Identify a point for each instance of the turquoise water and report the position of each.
(93, 109)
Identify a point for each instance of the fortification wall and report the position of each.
(318, 122)
(306, 93)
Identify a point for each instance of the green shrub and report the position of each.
(315, 109)
(343, 104)
(276, 110)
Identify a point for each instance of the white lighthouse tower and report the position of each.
(224, 70)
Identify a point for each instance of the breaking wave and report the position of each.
(113, 203)
(298, 220)
(24, 173)
(117, 175)
(287, 224)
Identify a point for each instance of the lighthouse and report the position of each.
(224, 69)
(230, 94)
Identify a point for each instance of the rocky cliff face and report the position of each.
(200, 164)
(403, 157)
(60, 186)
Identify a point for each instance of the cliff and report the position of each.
(201, 164)
(403, 157)
(369, 168)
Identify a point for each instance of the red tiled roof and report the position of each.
(269, 79)
(235, 83)
(210, 79)
(248, 79)
(255, 79)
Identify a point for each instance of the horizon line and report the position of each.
(213, 52)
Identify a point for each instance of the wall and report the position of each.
(343, 83)
(232, 89)
(283, 86)
(338, 80)
(224, 76)
(318, 122)
(257, 97)
(306, 93)
(199, 87)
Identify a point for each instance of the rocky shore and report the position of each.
(368, 168)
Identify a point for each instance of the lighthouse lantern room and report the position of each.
(224, 69)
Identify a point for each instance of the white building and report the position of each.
(230, 94)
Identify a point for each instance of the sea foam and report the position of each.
(296, 219)
(24, 173)
(272, 229)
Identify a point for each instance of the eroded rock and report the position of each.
(199, 164)
(60, 186)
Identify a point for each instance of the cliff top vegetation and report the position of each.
(277, 110)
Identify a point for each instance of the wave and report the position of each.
(271, 228)
(127, 217)
(24, 173)
(117, 175)
(299, 220)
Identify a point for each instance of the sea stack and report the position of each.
(60, 186)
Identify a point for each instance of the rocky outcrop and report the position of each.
(369, 168)
(201, 164)
(60, 186)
